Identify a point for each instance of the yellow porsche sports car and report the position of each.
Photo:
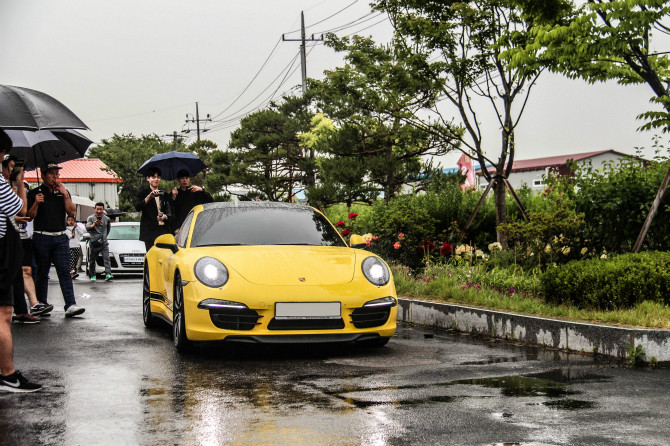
(267, 273)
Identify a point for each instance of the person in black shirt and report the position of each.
(156, 208)
(186, 197)
(48, 205)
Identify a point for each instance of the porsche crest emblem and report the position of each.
(302, 279)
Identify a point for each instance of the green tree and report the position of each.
(456, 45)
(124, 154)
(266, 155)
(339, 179)
(609, 40)
(369, 99)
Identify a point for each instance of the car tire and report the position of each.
(181, 342)
(149, 319)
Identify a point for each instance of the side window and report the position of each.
(183, 231)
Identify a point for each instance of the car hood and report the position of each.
(289, 265)
(127, 246)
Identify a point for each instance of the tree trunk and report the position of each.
(501, 210)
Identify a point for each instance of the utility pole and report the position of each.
(197, 120)
(175, 137)
(303, 53)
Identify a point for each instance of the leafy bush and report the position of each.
(620, 282)
(616, 199)
(411, 229)
(549, 236)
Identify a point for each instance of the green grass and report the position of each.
(516, 291)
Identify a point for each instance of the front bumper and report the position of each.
(257, 323)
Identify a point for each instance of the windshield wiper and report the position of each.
(221, 244)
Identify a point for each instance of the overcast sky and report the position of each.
(139, 66)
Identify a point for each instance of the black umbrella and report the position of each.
(26, 109)
(113, 212)
(42, 147)
(170, 163)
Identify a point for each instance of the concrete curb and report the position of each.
(539, 331)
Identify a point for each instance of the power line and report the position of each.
(327, 18)
(251, 81)
(285, 69)
(234, 121)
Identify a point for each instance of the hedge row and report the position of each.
(619, 282)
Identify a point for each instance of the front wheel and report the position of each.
(148, 318)
(181, 343)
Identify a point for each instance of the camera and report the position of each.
(158, 192)
(160, 214)
(99, 218)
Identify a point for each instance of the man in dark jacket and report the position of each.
(186, 197)
(156, 207)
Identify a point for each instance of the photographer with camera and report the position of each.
(156, 208)
(98, 226)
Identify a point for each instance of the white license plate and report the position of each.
(133, 259)
(307, 310)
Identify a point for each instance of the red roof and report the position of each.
(552, 161)
(83, 170)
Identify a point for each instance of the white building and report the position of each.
(531, 172)
(88, 180)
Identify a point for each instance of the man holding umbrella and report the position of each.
(48, 205)
(186, 197)
(156, 208)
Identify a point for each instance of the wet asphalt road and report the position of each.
(108, 380)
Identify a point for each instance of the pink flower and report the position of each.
(345, 231)
(367, 244)
(396, 245)
(353, 215)
(375, 238)
(401, 236)
(340, 223)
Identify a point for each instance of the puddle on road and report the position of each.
(521, 386)
(552, 386)
(570, 404)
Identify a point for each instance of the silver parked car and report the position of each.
(126, 250)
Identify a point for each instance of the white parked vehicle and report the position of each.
(126, 250)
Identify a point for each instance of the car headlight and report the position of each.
(387, 301)
(216, 304)
(211, 272)
(376, 271)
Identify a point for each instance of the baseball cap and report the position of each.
(52, 166)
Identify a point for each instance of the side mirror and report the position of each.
(357, 241)
(166, 241)
(86, 237)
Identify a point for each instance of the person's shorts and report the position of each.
(27, 252)
(7, 298)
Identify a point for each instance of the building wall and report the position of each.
(533, 178)
(104, 192)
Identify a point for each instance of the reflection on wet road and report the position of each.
(108, 380)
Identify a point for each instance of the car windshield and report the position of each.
(125, 232)
(263, 226)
